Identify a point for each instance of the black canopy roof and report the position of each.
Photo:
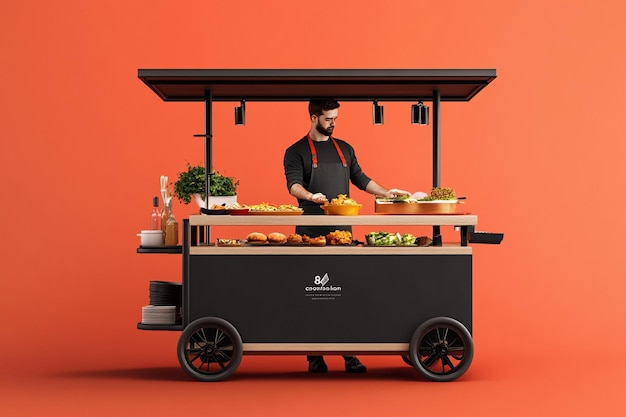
(305, 84)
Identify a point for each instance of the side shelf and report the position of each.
(173, 327)
(160, 249)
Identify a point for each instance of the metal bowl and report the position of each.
(437, 207)
(342, 209)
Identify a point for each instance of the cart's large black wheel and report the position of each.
(407, 360)
(441, 349)
(210, 349)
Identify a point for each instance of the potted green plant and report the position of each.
(191, 185)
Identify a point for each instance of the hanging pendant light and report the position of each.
(419, 114)
(240, 114)
(377, 113)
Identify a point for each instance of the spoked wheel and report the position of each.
(441, 349)
(407, 360)
(210, 349)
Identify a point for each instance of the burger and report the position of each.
(256, 237)
(276, 237)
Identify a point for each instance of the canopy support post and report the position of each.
(208, 150)
(436, 157)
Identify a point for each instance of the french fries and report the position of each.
(343, 199)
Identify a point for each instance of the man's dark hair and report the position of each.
(317, 107)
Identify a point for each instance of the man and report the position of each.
(318, 168)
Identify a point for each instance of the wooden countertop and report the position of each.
(446, 249)
(323, 220)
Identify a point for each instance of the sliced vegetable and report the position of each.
(390, 239)
(381, 239)
(407, 239)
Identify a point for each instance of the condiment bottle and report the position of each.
(171, 231)
(167, 211)
(155, 216)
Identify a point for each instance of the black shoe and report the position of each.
(354, 365)
(317, 365)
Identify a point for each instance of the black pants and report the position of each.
(314, 358)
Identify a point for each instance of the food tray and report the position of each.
(213, 211)
(420, 207)
(227, 245)
(275, 213)
(290, 244)
(238, 212)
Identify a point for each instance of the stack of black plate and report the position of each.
(165, 293)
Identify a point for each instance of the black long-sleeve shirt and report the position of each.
(298, 162)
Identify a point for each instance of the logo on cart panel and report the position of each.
(321, 281)
(320, 290)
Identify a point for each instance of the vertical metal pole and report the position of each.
(185, 281)
(436, 139)
(436, 157)
(208, 140)
(208, 149)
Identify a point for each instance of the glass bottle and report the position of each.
(167, 211)
(171, 231)
(155, 216)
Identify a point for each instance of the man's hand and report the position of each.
(319, 198)
(394, 192)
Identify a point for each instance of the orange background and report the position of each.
(539, 154)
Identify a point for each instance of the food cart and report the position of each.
(283, 300)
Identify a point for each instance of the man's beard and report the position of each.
(325, 132)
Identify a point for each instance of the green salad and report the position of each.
(389, 239)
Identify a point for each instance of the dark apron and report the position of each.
(330, 179)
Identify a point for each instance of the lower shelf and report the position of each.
(174, 327)
(160, 249)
